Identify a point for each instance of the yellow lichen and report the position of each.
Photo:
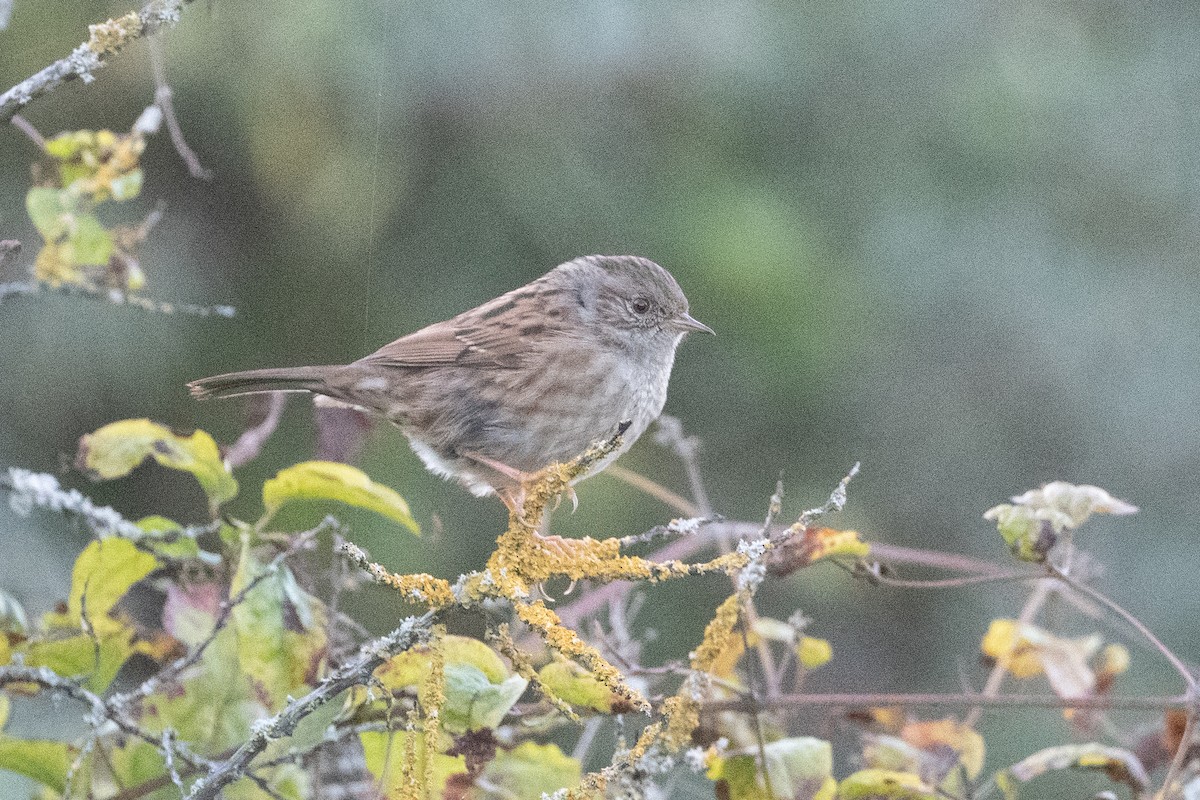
(110, 36)
(524, 667)
(433, 693)
(524, 559)
(568, 643)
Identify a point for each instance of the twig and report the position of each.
(836, 501)
(104, 39)
(687, 448)
(965, 699)
(1188, 678)
(169, 673)
(412, 631)
(654, 489)
(9, 249)
(101, 709)
(877, 576)
(269, 408)
(40, 490)
(599, 597)
(26, 127)
(163, 99)
(114, 296)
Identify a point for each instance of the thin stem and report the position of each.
(954, 583)
(965, 699)
(1033, 606)
(1137, 624)
(1189, 679)
(655, 490)
(26, 127)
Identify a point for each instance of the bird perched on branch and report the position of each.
(526, 380)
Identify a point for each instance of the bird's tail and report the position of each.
(256, 381)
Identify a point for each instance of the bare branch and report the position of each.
(9, 249)
(114, 296)
(104, 39)
(26, 127)
(670, 434)
(265, 411)
(163, 99)
(966, 699)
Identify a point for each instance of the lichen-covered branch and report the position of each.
(411, 631)
(104, 39)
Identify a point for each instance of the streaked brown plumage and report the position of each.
(525, 380)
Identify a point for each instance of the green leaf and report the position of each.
(279, 661)
(165, 537)
(103, 573)
(127, 186)
(328, 480)
(411, 667)
(473, 702)
(43, 761)
(116, 449)
(288, 781)
(1119, 764)
(1029, 533)
(213, 707)
(136, 762)
(574, 684)
(800, 768)
(884, 784)
(386, 757)
(69, 144)
(91, 244)
(49, 210)
(530, 770)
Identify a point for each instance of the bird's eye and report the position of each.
(640, 305)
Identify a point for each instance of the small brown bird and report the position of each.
(523, 381)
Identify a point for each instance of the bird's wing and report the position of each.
(499, 333)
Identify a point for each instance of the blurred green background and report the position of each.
(953, 241)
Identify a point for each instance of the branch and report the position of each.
(411, 632)
(114, 296)
(104, 39)
(966, 699)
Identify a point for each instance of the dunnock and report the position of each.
(523, 381)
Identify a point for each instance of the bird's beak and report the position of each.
(689, 324)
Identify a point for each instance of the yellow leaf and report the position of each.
(116, 449)
(1027, 650)
(328, 480)
(883, 784)
(577, 686)
(397, 761)
(950, 733)
(813, 652)
(1118, 764)
(411, 667)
